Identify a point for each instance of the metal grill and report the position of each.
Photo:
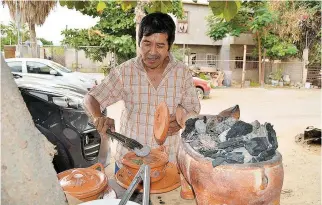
(91, 144)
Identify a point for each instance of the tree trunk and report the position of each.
(260, 77)
(27, 172)
(33, 40)
(139, 14)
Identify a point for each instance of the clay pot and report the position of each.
(157, 160)
(231, 184)
(85, 184)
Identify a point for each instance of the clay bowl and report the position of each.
(157, 160)
(85, 184)
(239, 184)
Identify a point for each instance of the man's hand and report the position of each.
(173, 126)
(103, 124)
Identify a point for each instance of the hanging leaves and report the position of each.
(100, 7)
(225, 9)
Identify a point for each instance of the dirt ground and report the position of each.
(290, 111)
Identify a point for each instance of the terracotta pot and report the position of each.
(231, 184)
(85, 184)
(157, 160)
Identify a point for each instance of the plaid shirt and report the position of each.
(129, 82)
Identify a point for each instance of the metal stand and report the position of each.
(143, 174)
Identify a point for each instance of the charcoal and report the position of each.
(195, 143)
(217, 161)
(266, 155)
(231, 143)
(259, 132)
(256, 145)
(214, 156)
(240, 128)
(189, 127)
(215, 126)
(207, 142)
(254, 160)
(235, 157)
(200, 126)
(228, 140)
(255, 125)
(247, 156)
(229, 149)
(210, 153)
(222, 136)
(205, 119)
(271, 135)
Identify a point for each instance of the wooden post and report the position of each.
(263, 70)
(244, 67)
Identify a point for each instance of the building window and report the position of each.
(238, 62)
(183, 23)
(211, 59)
(251, 62)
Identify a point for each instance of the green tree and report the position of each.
(116, 29)
(112, 24)
(31, 12)
(300, 23)
(45, 42)
(9, 34)
(114, 32)
(258, 19)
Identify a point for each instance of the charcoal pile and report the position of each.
(230, 141)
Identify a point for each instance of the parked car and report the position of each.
(57, 113)
(50, 70)
(203, 87)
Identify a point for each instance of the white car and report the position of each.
(51, 71)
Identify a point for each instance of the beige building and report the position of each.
(210, 55)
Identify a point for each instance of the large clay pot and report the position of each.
(157, 160)
(231, 184)
(84, 184)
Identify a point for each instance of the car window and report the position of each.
(16, 66)
(60, 67)
(38, 68)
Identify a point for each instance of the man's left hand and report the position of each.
(173, 126)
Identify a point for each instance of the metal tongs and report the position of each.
(129, 143)
(142, 174)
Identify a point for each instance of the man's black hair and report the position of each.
(157, 23)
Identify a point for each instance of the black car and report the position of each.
(57, 112)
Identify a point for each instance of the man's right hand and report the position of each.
(103, 124)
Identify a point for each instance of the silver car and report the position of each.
(51, 71)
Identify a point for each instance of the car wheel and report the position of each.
(61, 160)
(199, 93)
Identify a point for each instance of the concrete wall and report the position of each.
(293, 68)
(85, 64)
(197, 26)
(243, 39)
(203, 49)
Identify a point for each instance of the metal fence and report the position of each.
(82, 61)
(314, 73)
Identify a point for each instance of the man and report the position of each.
(142, 83)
